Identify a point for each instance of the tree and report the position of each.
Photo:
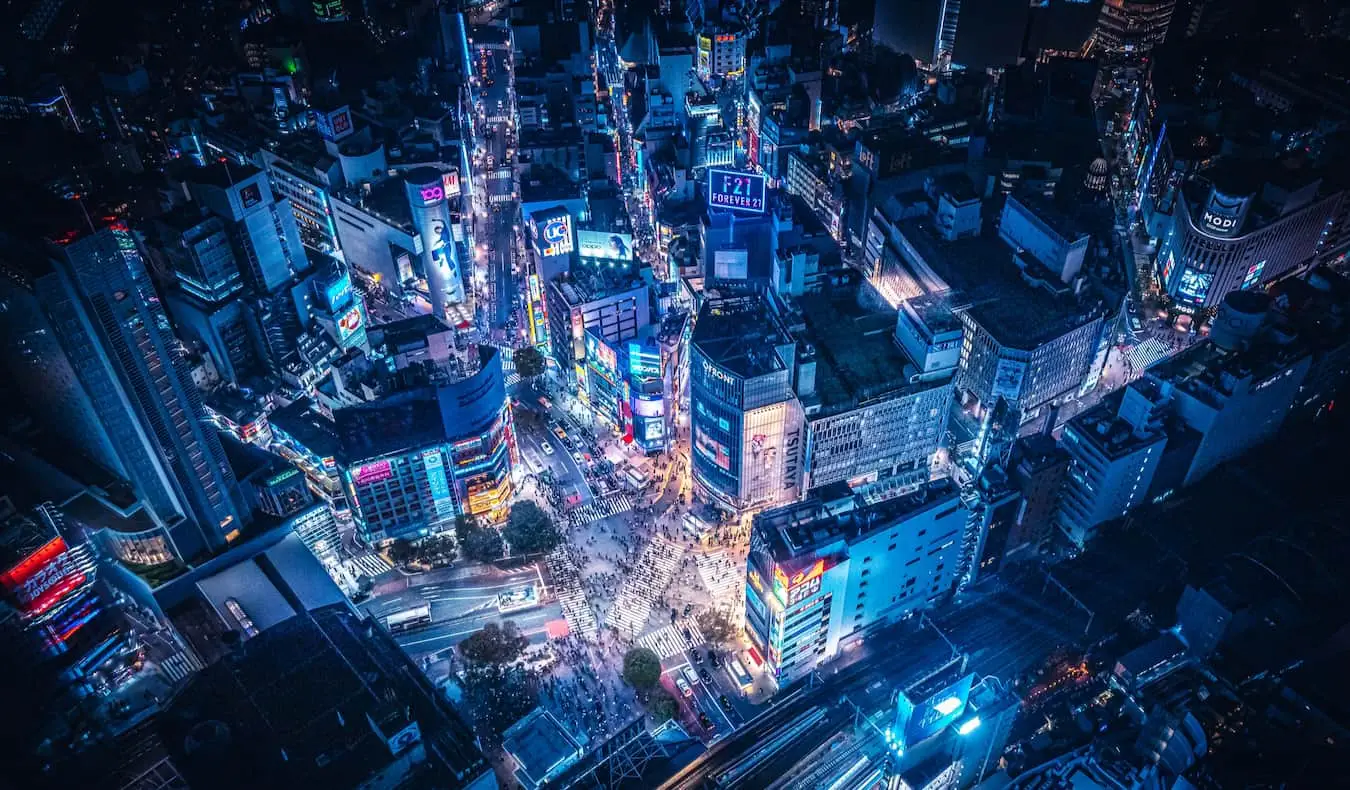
(530, 530)
(641, 669)
(483, 544)
(662, 706)
(529, 362)
(717, 627)
(402, 552)
(494, 643)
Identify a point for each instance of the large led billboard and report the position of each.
(605, 246)
(736, 191)
(919, 719)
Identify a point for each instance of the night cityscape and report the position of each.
(680, 394)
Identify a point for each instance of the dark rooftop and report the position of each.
(991, 289)
(741, 334)
(311, 429)
(304, 704)
(857, 358)
(793, 530)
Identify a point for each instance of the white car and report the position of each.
(684, 687)
(546, 447)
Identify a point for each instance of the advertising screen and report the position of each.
(1008, 378)
(732, 189)
(601, 356)
(643, 364)
(1194, 286)
(648, 407)
(555, 236)
(605, 246)
(731, 264)
(250, 195)
(350, 323)
(939, 710)
(450, 184)
(372, 473)
(336, 294)
(712, 449)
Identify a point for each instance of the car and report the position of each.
(706, 722)
(687, 634)
(546, 447)
(705, 674)
(576, 456)
(690, 675)
(714, 659)
(684, 687)
(698, 657)
(724, 702)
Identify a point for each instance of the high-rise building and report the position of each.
(944, 42)
(609, 298)
(746, 423)
(117, 371)
(438, 441)
(1132, 27)
(1229, 234)
(823, 576)
(1113, 453)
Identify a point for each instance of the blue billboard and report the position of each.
(735, 191)
(919, 719)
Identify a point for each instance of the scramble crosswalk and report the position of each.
(724, 577)
(1148, 352)
(647, 581)
(571, 596)
(669, 640)
(367, 565)
(597, 509)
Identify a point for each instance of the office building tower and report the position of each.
(437, 441)
(1036, 467)
(944, 42)
(721, 53)
(822, 577)
(1132, 27)
(872, 415)
(1228, 234)
(1114, 450)
(746, 423)
(609, 298)
(260, 226)
(131, 402)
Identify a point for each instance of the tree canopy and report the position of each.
(530, 530)
(641, 668)
(494, 643)
(483, 544)
(717, 627)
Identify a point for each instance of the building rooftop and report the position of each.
(302, 422)
(590, 281)
(1211, 374)
(983, 282)
(794, 530)
(1103, 428)
(540, 745)
(857, 358)
(386, 200)
(741, 334)
(308, 703)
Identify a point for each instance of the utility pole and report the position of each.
(1091, 615)
(924, 620)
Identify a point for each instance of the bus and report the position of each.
(408, 619)
(517, 599)
(738, 674)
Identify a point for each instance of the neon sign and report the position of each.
(734, 190)
(431, 195)
(373, 473)
(557, 234)
(43, 578)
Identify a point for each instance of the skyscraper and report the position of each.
(944, 43)
(127, 396)
(1132, 27)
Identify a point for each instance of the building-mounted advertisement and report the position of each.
(1008, 378)
(736, 191)
(604, 246)
(1194, 286)
(554, 236)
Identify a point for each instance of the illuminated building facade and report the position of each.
(114, 385)
(747, 442)
(1132, 27)
(721, 54)
(427, 190)
(340, 309)
(1226, 239)
(72, 616)
(438, 444)
(821, 576)
(607, 297)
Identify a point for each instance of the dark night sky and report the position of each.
(990, 31)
